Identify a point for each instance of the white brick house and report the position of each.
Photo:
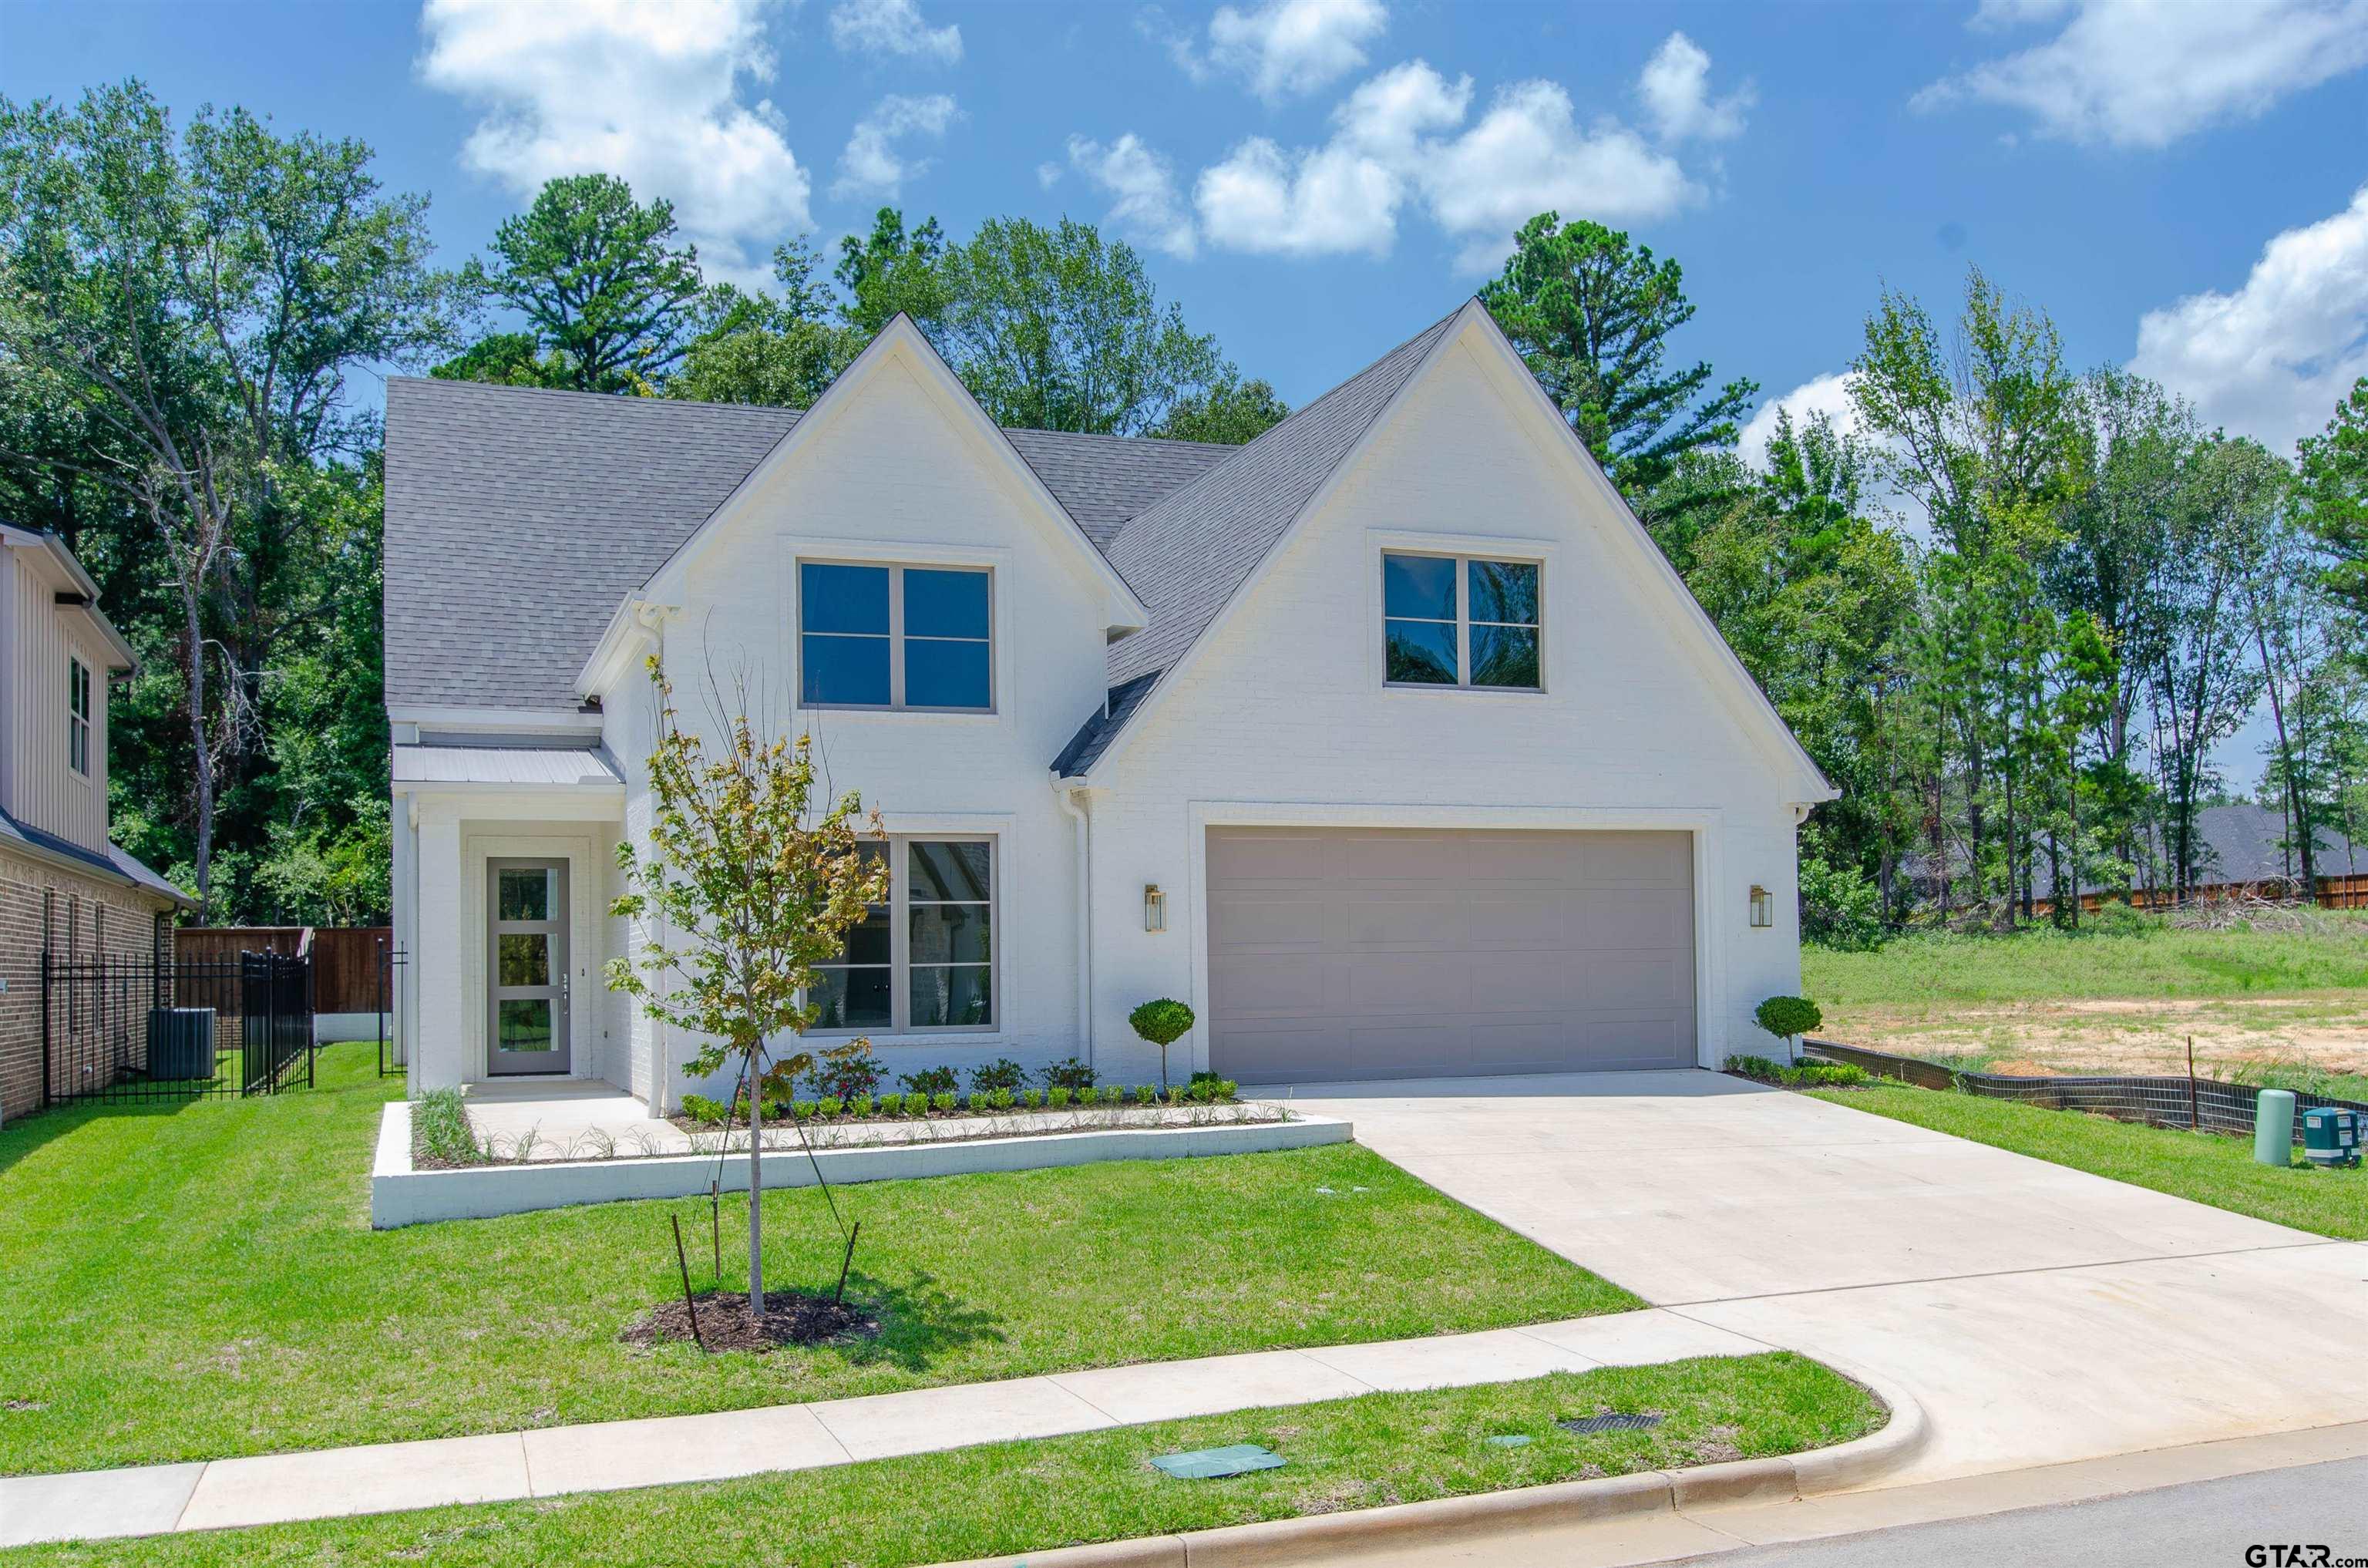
(1434, 764)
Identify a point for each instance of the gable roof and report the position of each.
(519, 520)
(117, 862)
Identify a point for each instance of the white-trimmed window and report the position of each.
(924, 962)
(919, 638)
(79, 716)
(1460, 620)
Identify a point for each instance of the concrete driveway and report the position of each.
(2040, 1314)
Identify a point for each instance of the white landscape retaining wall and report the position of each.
(402, 1196)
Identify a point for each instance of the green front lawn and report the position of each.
(200, 1280)
(2131, 957)
(2203, 1166)
(1006, 1498)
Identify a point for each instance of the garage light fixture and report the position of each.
(1763, 906)
(1155, 908)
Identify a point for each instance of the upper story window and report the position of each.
(913, 637)
(79, 716)
(1460, 620)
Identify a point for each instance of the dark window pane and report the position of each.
(843, 669)
(1422, 651)
(851, 998)
(525, 960)
(958, 996)
(1503, 590)
(524, 895)
(1420, 586)
(843, 599)
(962, 872)
(1505, 655)
(949, 933)
(524, 1026)
(945, 604)
(946, 675)
(867, 941)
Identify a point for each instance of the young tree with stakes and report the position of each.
(749, 880)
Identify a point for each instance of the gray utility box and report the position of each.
(180, 1042)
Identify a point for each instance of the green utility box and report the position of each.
(2330, 1137)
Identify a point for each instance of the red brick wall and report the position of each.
(86, 914)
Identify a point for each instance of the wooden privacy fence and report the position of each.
(2344, 892)
(346, 970)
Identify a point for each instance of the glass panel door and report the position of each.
(527, 989)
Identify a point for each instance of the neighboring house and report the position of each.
(64, 888)
(2243, 848)
(1388, 741)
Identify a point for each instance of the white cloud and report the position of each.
(892, 27)
(2144, 73)
(1048, 173)
(648, 92)
(2272, 358)
(1828, 395)
(1287, 46)
(1145, 204)
(871, 165)
(1399, 141)
(1675, 89)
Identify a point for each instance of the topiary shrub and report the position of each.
(1788, 1017)
(1162, 1022)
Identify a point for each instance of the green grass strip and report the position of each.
(200, 1280)
(2205, 1167)
(1009, 1498)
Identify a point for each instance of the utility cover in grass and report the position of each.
(1213, 1465)
(1612, 1421)
(1510, 1440)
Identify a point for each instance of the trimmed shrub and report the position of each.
(861, 1105)
(1146, 1094)
(944, 1103)
(1033, 1099)
(802, 1111)
(931, 1081)
(1059, 1095)
(1788, 1017)
(702, 1109)
(843, 1071)
(830, 1106)
(1071, 1073)
(1001, 1099)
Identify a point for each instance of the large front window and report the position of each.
(1460, 620)
(924, 961)
(916, 637)
(79, 716)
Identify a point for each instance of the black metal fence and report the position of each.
(2205, 1103)
(139, 1027)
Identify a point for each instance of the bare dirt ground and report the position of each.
(2125, 1036)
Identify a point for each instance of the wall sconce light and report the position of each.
(1155, 908)
(1763, 906)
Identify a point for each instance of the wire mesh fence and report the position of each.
(139, 1027)
(2206, 1104)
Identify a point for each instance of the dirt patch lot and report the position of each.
(2235, 1037)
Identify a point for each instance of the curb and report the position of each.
(1446, 1520)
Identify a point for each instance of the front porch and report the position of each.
(562, 1119)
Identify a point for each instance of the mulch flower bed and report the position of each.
(791, 1317)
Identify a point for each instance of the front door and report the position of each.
(526, 966)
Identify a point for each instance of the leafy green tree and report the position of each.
(1052, 329)
(504, 359)
(751, 877)
(605, 291)
(189, 307)
(894, 271)
(1231, 412)
(780, 348)
(2334, 485)
(1591, 313)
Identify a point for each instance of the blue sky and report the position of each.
(2184, 185)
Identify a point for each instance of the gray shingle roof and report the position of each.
(518, 521)
(1105, 480)
(1186, 555)
(117, 861)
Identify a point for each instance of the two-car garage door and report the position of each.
(1385, 953)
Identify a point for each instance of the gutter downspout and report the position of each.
(1084, 835)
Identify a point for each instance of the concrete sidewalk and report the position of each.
(611, 1456)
